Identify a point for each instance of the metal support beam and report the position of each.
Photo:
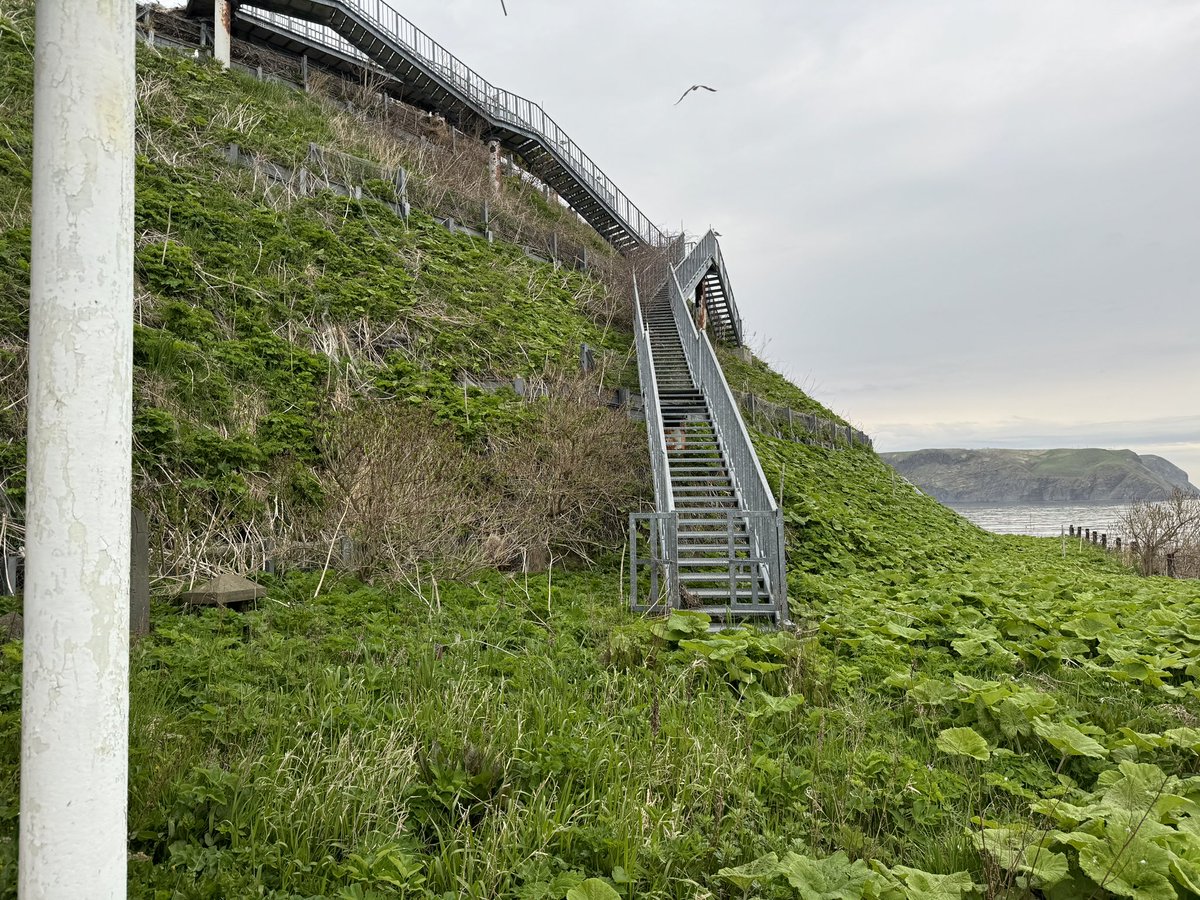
(494, 164)
(75, 707)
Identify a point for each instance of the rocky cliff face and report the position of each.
(1032, 476)
(1169, 471)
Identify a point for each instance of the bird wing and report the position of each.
(706, 87)
(685, 93)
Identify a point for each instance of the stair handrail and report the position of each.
(489, 101)
(657, 439)
(750, 482)
(702, 255)
(664, 500)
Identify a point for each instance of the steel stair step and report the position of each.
(717, 558)
(743, 585)
(741, 601)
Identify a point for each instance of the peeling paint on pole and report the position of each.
(75, 709)
(222, 31)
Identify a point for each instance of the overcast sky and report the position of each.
(956, 222)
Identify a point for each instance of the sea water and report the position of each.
(1044, 519)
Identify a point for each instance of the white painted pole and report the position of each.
(222, 25)
(75, 709)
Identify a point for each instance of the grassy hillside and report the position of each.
(298, 356)
(954, 715)
(944, 691)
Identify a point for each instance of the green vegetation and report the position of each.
(954, 709)
(954, 715)
(269, 322)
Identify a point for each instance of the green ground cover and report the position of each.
(954, 715)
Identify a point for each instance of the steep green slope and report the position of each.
(503, 736)
(281, 335)
(509, 737)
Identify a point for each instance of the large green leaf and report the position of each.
(1184, 738)
(1143, 790)
(1142, 741)
(1120, 855)
(831, 878)
(1016, 713)
(933, 692)
(593, 889)
(761, 870)
(1025, 851)
(765, 705)
(920, 885)
(1067, 739)
(963, 742)
(682, 624)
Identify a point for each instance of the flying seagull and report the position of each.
(694, 87)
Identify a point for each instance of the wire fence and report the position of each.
(803, 428)
(1173, 562)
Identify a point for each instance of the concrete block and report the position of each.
(224, 590)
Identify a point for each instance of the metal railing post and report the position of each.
(633, 560)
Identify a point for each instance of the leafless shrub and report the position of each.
(1159, 528)
(406, 492)
(573, 475)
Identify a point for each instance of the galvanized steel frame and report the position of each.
(750, 483)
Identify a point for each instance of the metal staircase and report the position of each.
(708, 279)
(715, 540)
(348, 34)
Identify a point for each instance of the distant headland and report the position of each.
(1033, 476)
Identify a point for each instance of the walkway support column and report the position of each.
(494, 163)
(222, 29)
(75, 707)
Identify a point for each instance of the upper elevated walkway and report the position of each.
(342, 33)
